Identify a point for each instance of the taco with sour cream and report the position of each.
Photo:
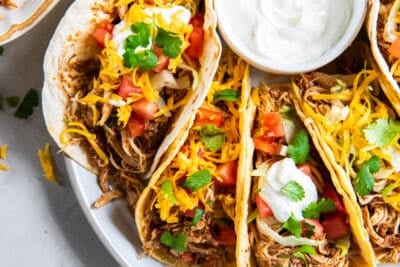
(188, 212)
(123, 77)
(294, 216)
(383, 25)
(356, 131)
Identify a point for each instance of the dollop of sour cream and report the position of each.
(172, 14)
(278, 175)
(288, 31)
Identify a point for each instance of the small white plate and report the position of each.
(16, 21)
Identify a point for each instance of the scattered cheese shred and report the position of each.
(3, 152)
(46, 162)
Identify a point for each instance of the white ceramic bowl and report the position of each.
(241, 46)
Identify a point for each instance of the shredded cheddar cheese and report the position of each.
(3, 152)
(46, 162)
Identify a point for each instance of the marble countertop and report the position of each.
(41, 223)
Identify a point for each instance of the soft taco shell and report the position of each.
(72, 46)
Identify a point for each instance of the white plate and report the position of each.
(113, 223)
(16, 21)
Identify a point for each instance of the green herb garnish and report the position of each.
(314, 209)
(226, 95)
(293, 226)
(364, 181)
(197, 216)
(300, 148)
(169, 42)
(1, 50)
(294, 191)
(382, 132)
(198, 180)
(168, 192)
(212, 137)
(12, 101)
(178, 243)
(25, 109)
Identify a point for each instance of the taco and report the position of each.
(383, 31)
(295, 215)
(357, 132)
(122, 78)
(187, 213)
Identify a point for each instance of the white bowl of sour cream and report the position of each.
(289, 36)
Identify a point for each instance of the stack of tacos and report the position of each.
(122, 79)
(188, 213)
(356, 131)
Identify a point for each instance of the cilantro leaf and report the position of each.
(169, 42)
(307, 249)
(299, 253)
(314, 209)
(198, 180)
(168, 192)
(25, 109)
(12, 101)
(308, 229)
(212, 137)
(145, 60)
(382, 132)
(1, 50)
(226, 95)
(178, 243)
(141, 36)
(197, 216)
(300, 148)
(293, 226)
(364, 181)
(294, 191)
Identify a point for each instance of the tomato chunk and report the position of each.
(136, 125)
(145, 109)
(305, 168)
(127, 87)
(312, 229)
(394, 48)
(196, 38)
(208, 116)
(228, 172)
(263, 208)
(335, 225)
(163, 60)
(103, 32)
(226, 236)
(192, 212)
(265, 145)
(273, 125)
(330, 192)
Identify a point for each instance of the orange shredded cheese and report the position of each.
(46, 162)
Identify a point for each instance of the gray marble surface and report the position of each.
(41, 223)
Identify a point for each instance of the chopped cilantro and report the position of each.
(300, 148)
(364, 181)
(145, 60)
(293, 226)
(197, 216)
(168, 192)
(141, 36)
(1, 50)
(314, 209)
(198, 180)
(287, 112)
(306, 249)
(178, 243)
(309, 229)
(212, 137)
(294, 191)
(300, 252)
(25, 109)
(226, 95)
(169, 42)
(382, 132)
(12, 101)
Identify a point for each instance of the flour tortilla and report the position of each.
(71, 42)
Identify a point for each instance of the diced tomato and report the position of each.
(394, 48)
(305, 168)
(196, 38)
(335, 225)
(145, 109)
(330, 192)
(273, 125)
(102, 32)
(163, 60)
(263, 208)
(187, 257)
(313, 226)
(226, 236)
(265, 145)
(207, 116)
(136, 125)
(191, 213)
(184, 148)
(127, 87)
(228, 172)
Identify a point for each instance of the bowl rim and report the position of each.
(353, 28)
